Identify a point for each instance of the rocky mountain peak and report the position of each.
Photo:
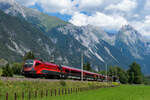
(127, 27)
(129, 31)
(12, 7)
(8, 1)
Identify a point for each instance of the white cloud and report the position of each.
(147, 5)
(57, 6)
(142, 26)
(79, 19)
(108, 14)
(108, 22)
(27, 2)
(125, 5)
(89, 3)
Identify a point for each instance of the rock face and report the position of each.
(133, 46)
(32, 15)
(91, 41)
(46, 35)
(18, 37)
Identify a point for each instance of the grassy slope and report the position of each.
(119, 93)
(37, 85)
(0, 71)
(50, 21)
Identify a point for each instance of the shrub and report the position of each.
(62, 83)
(16, 68)
(7, 71)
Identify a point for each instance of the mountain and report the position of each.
(18, 37)
(50, 25)
(33, 16)
(130, 41)
(89, 40)
(68, 41)
(134, 46)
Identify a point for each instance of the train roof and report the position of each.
(48, 63)
(80, 70)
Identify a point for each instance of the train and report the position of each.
(38, 68)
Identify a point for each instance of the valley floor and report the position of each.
(124, 92)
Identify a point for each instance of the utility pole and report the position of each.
(52, 59)
(106, 71)
(81, 66)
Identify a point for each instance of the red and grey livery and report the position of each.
(37, 68)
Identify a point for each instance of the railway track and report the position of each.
(26, 79)
(32, 79)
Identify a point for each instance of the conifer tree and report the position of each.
(7, 71)
(29, 55)
(135, 74)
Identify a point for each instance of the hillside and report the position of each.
(18, 37)
(33, 16)
(99, 47)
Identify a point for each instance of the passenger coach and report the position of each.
(37, 68)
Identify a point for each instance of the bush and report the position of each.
(29, 55)
(7, 71)
(16, 68)
(135, 74)
(62, 83)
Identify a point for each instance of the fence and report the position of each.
(44, 93)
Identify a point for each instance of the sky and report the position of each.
(110, 15)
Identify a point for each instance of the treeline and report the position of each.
(133, 75)
(15, 68)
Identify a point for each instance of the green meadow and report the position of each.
(21, 85)
(124, 92)
(120, 92)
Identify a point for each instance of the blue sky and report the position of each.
(107, 14)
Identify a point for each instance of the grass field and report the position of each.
(124, 92)
(0, 71)
(18, 86)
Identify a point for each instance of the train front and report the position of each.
(28, 69)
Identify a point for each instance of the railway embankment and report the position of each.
(24, 87)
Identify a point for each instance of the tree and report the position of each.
(7, 71)
(123, 77)
(16, 68)
(135, 74)
(118, 72)
(29, 55)
(87, 67)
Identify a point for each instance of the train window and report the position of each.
(67, 70)
(75, 72)
(28, 63)
(37, 64)
(89, 75)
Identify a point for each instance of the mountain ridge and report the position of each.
(99, 48)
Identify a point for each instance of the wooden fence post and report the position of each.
(51, 92)
(62, 91)
(59, 91)
(15, 96)
(41, 93)
(68, 91)
(29, 95)
(35, 94)
(46, 93)
(22, 95)
(65, 91)
(6, 96)
(55, 92)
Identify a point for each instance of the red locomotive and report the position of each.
(37, 68)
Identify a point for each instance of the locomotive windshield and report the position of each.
(29, 63)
